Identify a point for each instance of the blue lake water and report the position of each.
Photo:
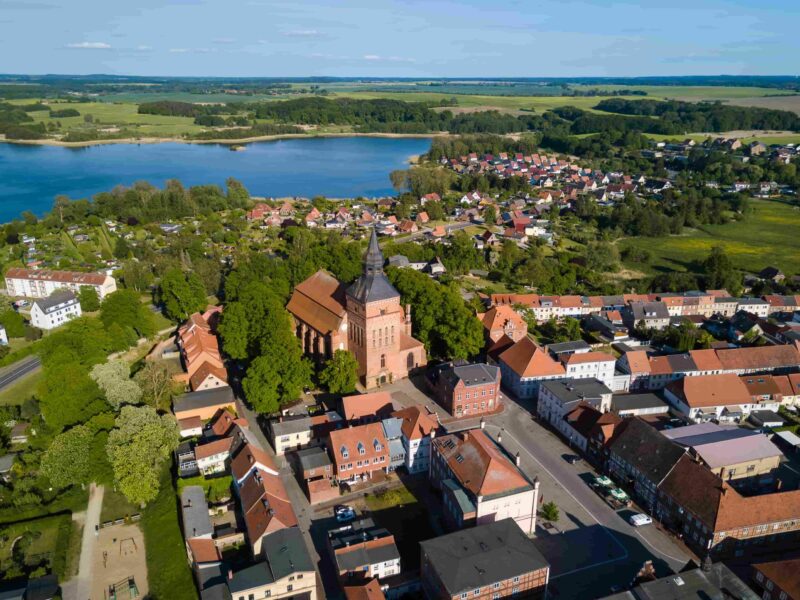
(32, 176)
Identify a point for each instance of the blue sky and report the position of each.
(392, 38)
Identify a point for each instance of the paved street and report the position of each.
(17, 370)
(80, 587)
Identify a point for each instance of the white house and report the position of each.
(418, 429)
(35, 283)
(557, 398)
(590, 365)
(56, 310)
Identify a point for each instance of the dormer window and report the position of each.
(378, 446)
(361, 449)
(345, 453)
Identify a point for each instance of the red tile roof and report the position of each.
(417, 423)
(359, 406)
(527, 359)
(710, 390)
(319, 301)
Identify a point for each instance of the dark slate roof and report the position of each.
(573, 346)
(472, 374)
(54, 300)
(291, 424)
(625, 402)
(649, 310)
(194, 508)
(479, 556)
(574, 390)
(313, 458)
(358, 531)
(256, 575)
(716, 583)
(358, 556)
(213, 583)
(205, 398)
(641, 446)
(373, 285)
(286, 552)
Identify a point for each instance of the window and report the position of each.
(496, 585)
(515, 580)
(383, 361)
(345, 453)
(463, 595)
(289, 588)
(476, 592)
(361, 449)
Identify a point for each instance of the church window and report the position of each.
(383, 361)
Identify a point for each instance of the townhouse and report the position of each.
(205, 404)
(290, 433)
(493, 560)
(363, 550)
(589, 429)
(357, 452)
(418, 430)
(503, 320)
(590, 365)
(714, 397)
(557, 398)
(525, 364)
(479, 484)
(200, 351)
(467, 390)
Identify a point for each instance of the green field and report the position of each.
(766, 238)
(18, 392)
(696, 93)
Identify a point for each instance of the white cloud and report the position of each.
(89, 46)
(179, 50)
(378, 57)
(192, 50)
(301, 33)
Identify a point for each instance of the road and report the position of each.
(15, 371)
(80, 587)
(426, 230)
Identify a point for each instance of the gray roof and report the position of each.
(472, 374)
(464, 503)
(194, 508)
(373, 285)
(203, 399)
(55, 300)
(358, 556)
(766, 416)
(573, 346)
(398, 260)
(752, 301)
(7, 461)
(291, 424)
(313, 458)
(479, 556)
(213, 583)
(392, 428)
(718, 583)
(256, 575)
(575, 390)
(396, 448)
(286, 552)
(645, 449)
(624, 402)
(649, 310)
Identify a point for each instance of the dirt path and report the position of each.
(80, 587)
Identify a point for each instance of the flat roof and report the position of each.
(623, 402)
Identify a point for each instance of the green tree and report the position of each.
(121, 249)
(114, 379)
(89, 299)
(137, 448)
(549, 512)
(137, 275)
(340, 374)
(13, 322)
(67, 395)
(66, 461)
(490, 215)
(720, 272)
(125, 309)
(155, 381)
(276, 379)
(181, 294)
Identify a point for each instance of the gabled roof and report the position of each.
(417, 423)
(265, 504)
(710, 390)
(319, 301)
(644, 448)
(54, 300)
(783, 573)
(366, 405)
(527, 359)
(498, 316)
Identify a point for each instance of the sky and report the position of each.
(400, 38)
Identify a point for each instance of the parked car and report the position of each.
(344, 514)
(573, 459)
(640, 519)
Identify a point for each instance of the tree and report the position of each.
(114, 379)
(340, 373)
(138, 447)
(156, 383)
(121, 249)
(490, 215)
(720, 272)
(89, 299)
(13, 322)
(67, 395)
(125, 309)
(181, 294)
(276, 379)
(137, 275)
(67, 461)
(549, 512)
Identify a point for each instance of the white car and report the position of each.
(638, 520)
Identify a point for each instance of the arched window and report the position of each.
(383, 361)
(410, 361)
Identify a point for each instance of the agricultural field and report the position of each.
(692, 93)
(767, 237)
(785, 102)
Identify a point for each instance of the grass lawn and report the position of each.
(116, 506)
(390, 499)
(42, 542)
(21, 390)
(168, 573)
(767, 237)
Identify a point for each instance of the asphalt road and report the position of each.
(19, 369)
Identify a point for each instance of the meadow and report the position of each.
(768, 237)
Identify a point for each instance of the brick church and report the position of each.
(365, 318)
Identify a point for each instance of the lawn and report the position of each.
(168, 573)
(767, 237)
(116, 506)
(39, 543)
(21, 390)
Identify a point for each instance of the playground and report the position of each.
(120, 570)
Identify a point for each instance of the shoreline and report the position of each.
(223, 142)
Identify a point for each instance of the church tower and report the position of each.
(378, 331)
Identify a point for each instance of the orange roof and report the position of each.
(711, 390)
(266, 505)
(212, 448)
(206, 370)
(350, 438)
(761, 357)
(587, 357)
(248, 457)
(204, 550)
(58, 276)
(190, 423)
(365, 405)
(369, 591)
(527, 359)
(706, 360)
(638, 361)
(498, 316)
(785, 574)
(319, 301)
(439, 231)
(417, 423)
(478, 464)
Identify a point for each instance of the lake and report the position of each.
(32, 176)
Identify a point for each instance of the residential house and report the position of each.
(266, 508)
(363, 550)
(290, 433)
(639, 456)
(492, 560)
(589, 429)
(714, 397)
(778, 580)
(638, 405)
(479, 484)
(203, 404)
(559, 397)
(392, 431)
(367, 408)
(56, 310)
(653, 315)
(213, 457)
(525, 364)
(418, 429)
(468, 390)
(357, 452)
(590, 365)
(503, 320)
(710, 581)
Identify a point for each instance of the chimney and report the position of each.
(500, 436)
(251, 459)
(778, 485)
(188, 502)
(517, 458)
(194, 531)
(230, 574)
(707, 564)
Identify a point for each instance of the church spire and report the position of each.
(373, 261)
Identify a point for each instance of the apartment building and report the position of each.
(35, 283)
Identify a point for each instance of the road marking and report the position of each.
(586, 568)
